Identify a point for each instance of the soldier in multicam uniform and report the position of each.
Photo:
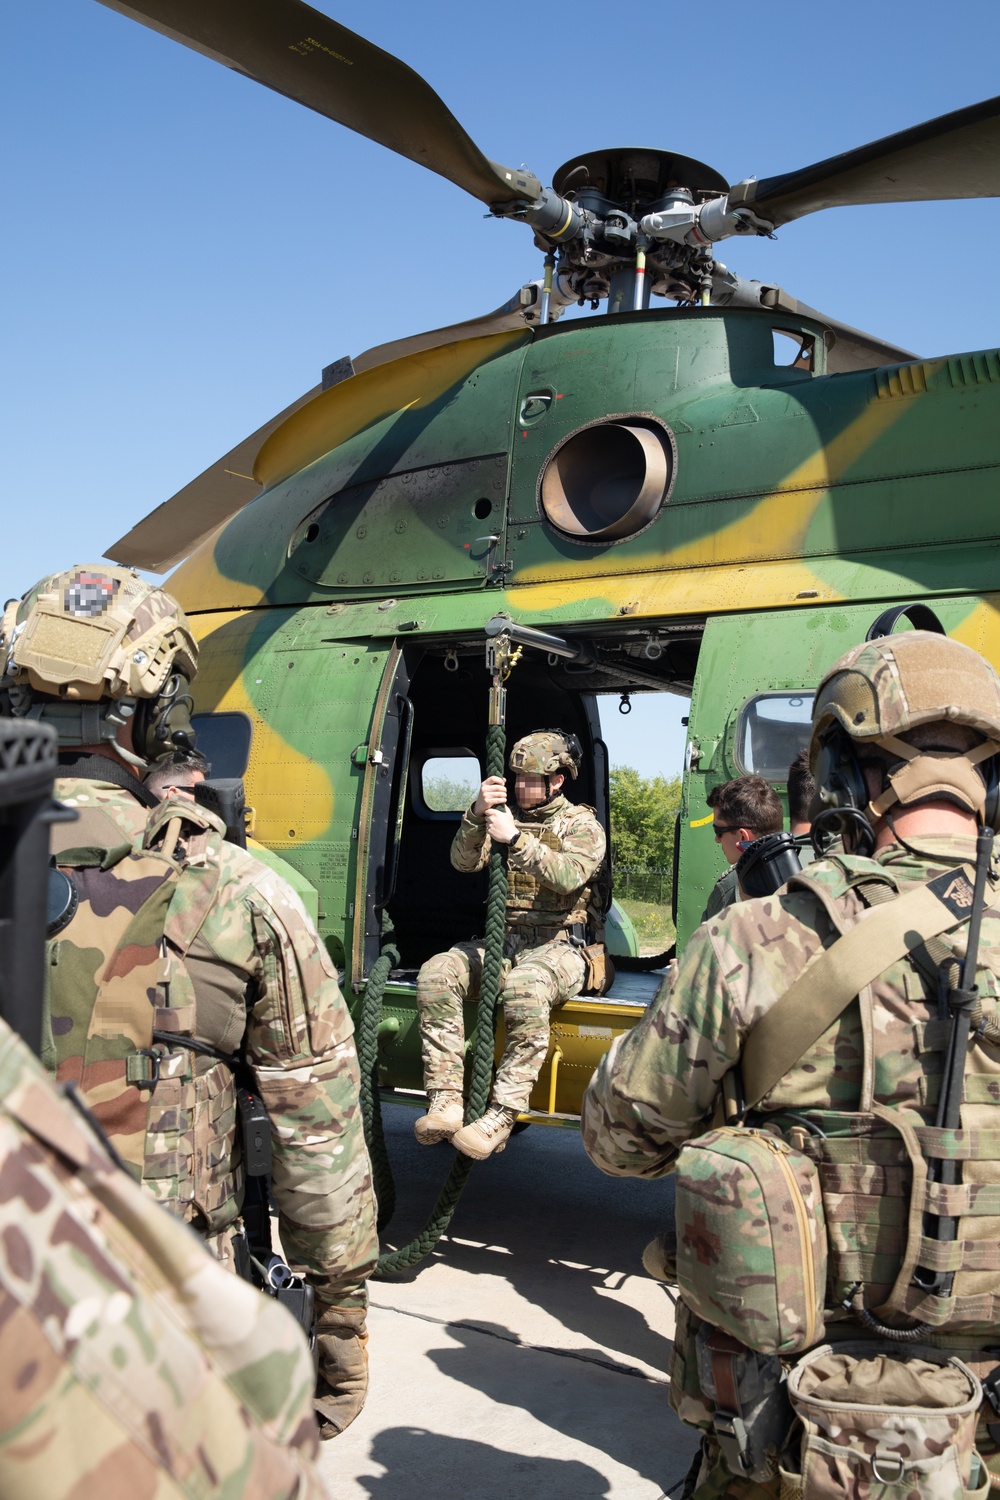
(130, 1362)
(904, 747)
(187, 956)
(554, 907)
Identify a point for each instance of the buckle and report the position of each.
(731, 1433)
(144, 1077)
(891, 1458)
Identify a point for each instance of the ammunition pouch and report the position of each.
(885, 1422)
(752, 1418)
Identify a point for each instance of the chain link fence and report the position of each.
(635, 883)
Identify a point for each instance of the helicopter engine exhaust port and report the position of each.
(610, 479)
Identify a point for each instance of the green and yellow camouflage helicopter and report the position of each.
(713, 500)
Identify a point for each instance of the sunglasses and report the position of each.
(720, 828)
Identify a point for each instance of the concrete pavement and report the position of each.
(527, 1356)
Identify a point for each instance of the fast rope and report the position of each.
(371, 1100)
(499, 659)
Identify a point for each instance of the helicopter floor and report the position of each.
(528, 1355)
(628, 989)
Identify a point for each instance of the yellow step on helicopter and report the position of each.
(712, 499)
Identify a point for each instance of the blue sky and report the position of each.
(185, 250)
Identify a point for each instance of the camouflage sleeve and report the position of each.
(300, 1043)
(125, 1349)
(658, 1085)
(470, 848)
(569, 867)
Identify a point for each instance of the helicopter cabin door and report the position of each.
(750, 712)
(383, 760)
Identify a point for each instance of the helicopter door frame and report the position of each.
(381, 805)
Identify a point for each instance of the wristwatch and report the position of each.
(514, 840)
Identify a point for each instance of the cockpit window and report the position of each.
(771, 731)
(225, 740)
(446, 783)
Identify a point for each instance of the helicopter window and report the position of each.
(771, 731)
(608, 480)
(446, 783)
(794, 350)
(225, 740)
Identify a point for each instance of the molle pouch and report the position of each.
(751, 1417)
(896, 1423)
(751, 1239)
(600, 970)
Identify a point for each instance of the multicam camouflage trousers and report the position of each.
(534, 981)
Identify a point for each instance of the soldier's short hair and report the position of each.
(748, 802)
(176, 770)
(801, 787)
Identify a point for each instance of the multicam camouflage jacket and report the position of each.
(130, 1362)
(659, 1084)
(223, 951)
(554, 870)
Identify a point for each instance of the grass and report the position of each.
(653, 926)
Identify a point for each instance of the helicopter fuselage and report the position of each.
(699, 513)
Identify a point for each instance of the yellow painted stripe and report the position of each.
(700, 822)
(345, 409)
(292, 796)
(781, 519)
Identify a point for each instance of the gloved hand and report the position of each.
(342, 1368)
(659, 1259)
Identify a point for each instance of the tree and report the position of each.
(643, 810)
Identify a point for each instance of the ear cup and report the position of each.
(840, 781)
(163, 723)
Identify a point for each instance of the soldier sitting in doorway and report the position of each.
(555, 857)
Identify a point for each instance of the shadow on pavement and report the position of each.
(418, 1462)
(570, 1233)
(618, 1415)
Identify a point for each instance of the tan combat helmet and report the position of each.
(95, 646)
(884, 690)
(547, 752)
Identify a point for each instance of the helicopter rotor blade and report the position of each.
(850, 348)
(954, 156)
(175, 528)
(170, 532)
(303, 54)
(518, 312)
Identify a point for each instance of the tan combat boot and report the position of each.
(445, 1113)
(486, 1135)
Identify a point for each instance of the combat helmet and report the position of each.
(93, 647)
(882, 691)
(547, 752)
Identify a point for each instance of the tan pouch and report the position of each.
(893, 1422)
(751, 1239)
(600, 970)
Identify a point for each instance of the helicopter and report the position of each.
(671, 501)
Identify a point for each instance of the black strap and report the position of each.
(80, 765)
(172, 1039)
